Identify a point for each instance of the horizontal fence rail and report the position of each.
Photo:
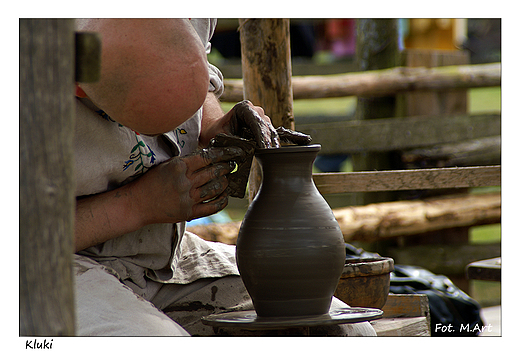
(383, 82)
(353, 136)
(399, 180)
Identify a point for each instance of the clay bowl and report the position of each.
(365, 282)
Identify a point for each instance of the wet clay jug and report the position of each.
(290, 249)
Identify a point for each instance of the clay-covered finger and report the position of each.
(211, 172)
(207, 208)
(212, 155)
(211, 189)
(293, 137)
(248, 123)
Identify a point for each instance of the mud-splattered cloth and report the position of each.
(105, 307)
(201, 259)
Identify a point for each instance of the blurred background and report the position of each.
(328, 45)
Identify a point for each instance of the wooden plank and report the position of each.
(399, 180)
(355, 136)
(389, 220)
(384, 82)
(402, 327)
(489, 269)
(406, 305)
(405, 315)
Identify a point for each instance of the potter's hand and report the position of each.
(189, 187)
(293, 137)
(250, 122)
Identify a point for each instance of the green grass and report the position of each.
(485, 234)
(487, 293)
(324, 106)
(484, 100)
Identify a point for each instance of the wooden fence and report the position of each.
(429, 132)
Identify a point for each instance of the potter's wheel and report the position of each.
(249, 320)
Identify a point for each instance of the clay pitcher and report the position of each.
(290, 249)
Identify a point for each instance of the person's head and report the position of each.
(154, 73)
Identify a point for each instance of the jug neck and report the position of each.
(287, 165)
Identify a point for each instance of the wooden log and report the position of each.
(383, 82)
(399, 180)
(46, 177)
(266, 69)
(357, 136)
(389, 220)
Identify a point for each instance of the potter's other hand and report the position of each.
(250, 122)
(293, 137)
(189, 187)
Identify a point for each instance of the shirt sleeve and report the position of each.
(205, 29)
(216, 79)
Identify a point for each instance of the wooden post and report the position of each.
(266, 71)
(377, 47)
(448, 102)
(46, 177)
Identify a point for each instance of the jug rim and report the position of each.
(289, 148)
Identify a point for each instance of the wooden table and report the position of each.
(489, 269)
(404, 315)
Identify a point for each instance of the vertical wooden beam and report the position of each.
(377, 47)
(46, 177)
(267, 73)
(266, 67)
(437, 103)
(434, 103)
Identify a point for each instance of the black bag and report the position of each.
(452, 312)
